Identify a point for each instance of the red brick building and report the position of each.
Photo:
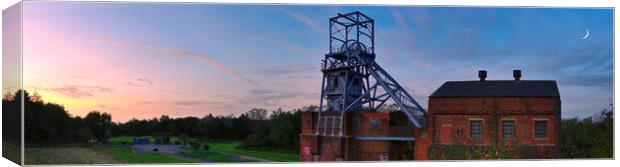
(502, 113)
(508, 113)
(367, 136)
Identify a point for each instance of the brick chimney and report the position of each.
(482, 74)
(516, 74)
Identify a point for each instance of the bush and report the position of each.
(84, 134)
(184, 138)
(195, 144)
(206, 147)
(467, 152)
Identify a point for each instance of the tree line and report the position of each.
(48, 123)
(591, 137)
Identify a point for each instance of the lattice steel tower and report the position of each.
(352, 80)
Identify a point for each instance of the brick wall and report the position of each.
(335, 148)
(449, 121)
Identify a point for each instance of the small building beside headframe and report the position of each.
(519, 116)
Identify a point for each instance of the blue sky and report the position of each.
(194, 59)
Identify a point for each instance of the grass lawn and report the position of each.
(11, 152)
(230, 147)
(211, 155)
(127, 155)
(94, 155)
(69, 155)
(217, 148)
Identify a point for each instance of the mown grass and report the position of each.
(69, 155)
(94, 155)
(231, 147)
(209, 155)
(127, 155)
(218, 147)
(11, 152)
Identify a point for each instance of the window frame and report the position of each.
(546, 129)
(375, 123)
(513, 130)
(471, 129)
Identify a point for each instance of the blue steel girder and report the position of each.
(352, 78)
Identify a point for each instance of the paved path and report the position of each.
(241, 158)
(185, 157)
(161, 149)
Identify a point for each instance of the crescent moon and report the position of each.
(587, 34)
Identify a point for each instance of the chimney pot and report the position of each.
(516, 74)
(482, 74)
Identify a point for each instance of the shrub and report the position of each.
(467, 152)
(184, 138)
(206, 147)
(84, 134)
(195, 144)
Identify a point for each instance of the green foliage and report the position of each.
(279, 133)
(84, 134)
(258, 114)
(49, 123)
(184, 139)
(468, 152)
(99, 123)
(195, 144)
(11, 117)
(586, 138)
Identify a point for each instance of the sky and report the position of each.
(144, 60)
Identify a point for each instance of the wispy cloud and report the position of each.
(409, 40)
(274, 97)
(188, 102)
(79, 91)
(115, 82)
(147, 81)
(306, 52)
(149, 102)
(106, 107)
(124, 44)
(206, 59)
(303, 18)
(179, 52)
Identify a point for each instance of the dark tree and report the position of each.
(99, 123)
